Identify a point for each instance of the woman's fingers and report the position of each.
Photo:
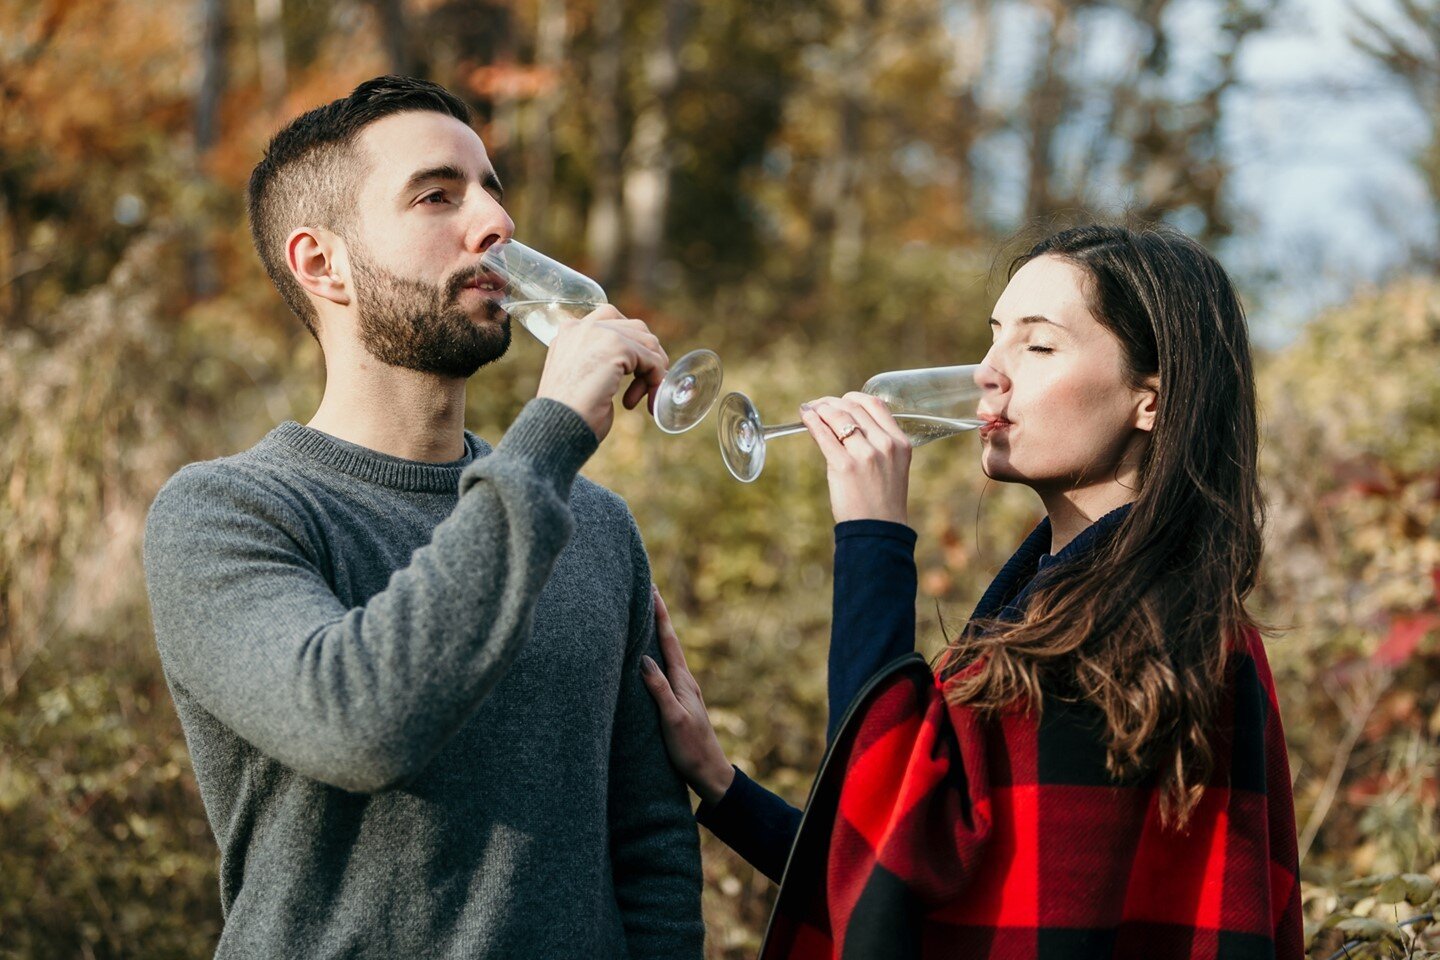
(684, 724)
(879, 414)
(841, 417)
(672, 711)
(822, 433)
(670, 647)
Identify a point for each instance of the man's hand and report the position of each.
(589, 359)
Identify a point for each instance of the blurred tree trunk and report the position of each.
(1049, 103)
(395, 34)
(214, 76)
(649, 160)
(1409, 50)
(1176, 159)
(972, 42)
(838, 215)
(604, 226)
(13, 262)
(270, 20)
(552, 28)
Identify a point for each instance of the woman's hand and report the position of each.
(867, 456)
(689, 738)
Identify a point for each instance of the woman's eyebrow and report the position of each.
(1034, 318)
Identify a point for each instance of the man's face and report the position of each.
(429, 205)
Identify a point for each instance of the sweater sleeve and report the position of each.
(357, 698)
(873, 624)
(654, 846)
(873, 621)
(755, 823)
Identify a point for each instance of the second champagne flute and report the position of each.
(540, 292)
(928, 403)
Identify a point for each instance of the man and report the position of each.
(407, 665)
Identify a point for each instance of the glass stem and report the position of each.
(782, 430)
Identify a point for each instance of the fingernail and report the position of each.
(805, 407)
(648, 666)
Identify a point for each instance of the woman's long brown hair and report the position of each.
(1141, 631)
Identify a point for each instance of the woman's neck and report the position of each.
(1071, 511)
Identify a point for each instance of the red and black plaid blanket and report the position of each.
(932, 833)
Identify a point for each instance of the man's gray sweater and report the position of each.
(412, 699)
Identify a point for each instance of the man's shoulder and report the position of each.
(596, 504)
(248, 481)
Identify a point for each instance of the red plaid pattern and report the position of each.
(933, 833)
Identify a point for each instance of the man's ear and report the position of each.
(320, 264)
(1149, 403)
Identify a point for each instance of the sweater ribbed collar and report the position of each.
(371, 466)
(1006, 596)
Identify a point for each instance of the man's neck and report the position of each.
(402, 413)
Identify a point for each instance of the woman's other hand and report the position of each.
(694, 749)
(867, 456)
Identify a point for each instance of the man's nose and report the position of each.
(489, 224)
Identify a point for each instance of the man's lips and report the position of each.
(488, 287)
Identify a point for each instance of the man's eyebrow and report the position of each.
(450, 172)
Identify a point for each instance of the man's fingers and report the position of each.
(634, 393)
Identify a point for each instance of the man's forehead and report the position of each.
(398, 145)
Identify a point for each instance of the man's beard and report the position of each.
(420, 326)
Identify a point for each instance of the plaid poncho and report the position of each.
(924, 830)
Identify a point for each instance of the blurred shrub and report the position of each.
(106, 847)
(1352, 469)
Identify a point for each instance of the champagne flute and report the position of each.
(541, 293)
(929, 403)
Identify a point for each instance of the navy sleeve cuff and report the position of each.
(875, 528)
(755, 823)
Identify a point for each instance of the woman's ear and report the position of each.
(319, 264)
(1148, 406)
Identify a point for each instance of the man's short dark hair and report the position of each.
(311, 171)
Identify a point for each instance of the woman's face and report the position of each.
(1060, 415)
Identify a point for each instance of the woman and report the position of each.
(1095, 768)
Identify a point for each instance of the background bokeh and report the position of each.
(817, 189)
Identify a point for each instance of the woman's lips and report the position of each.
(993, 425)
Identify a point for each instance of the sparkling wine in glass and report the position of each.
(928, 403)
(540, 293)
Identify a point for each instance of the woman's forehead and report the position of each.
(1046, 287)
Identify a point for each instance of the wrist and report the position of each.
(714, 784)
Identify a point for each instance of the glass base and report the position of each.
(742, 437)
(688, 391)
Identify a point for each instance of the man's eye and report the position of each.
(431, 198)
(1036, 348)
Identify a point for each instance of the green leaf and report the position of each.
(1371, 930)
(1418, 888)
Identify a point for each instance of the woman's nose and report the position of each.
(988, 376)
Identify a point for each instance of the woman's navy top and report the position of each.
(873, 623)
